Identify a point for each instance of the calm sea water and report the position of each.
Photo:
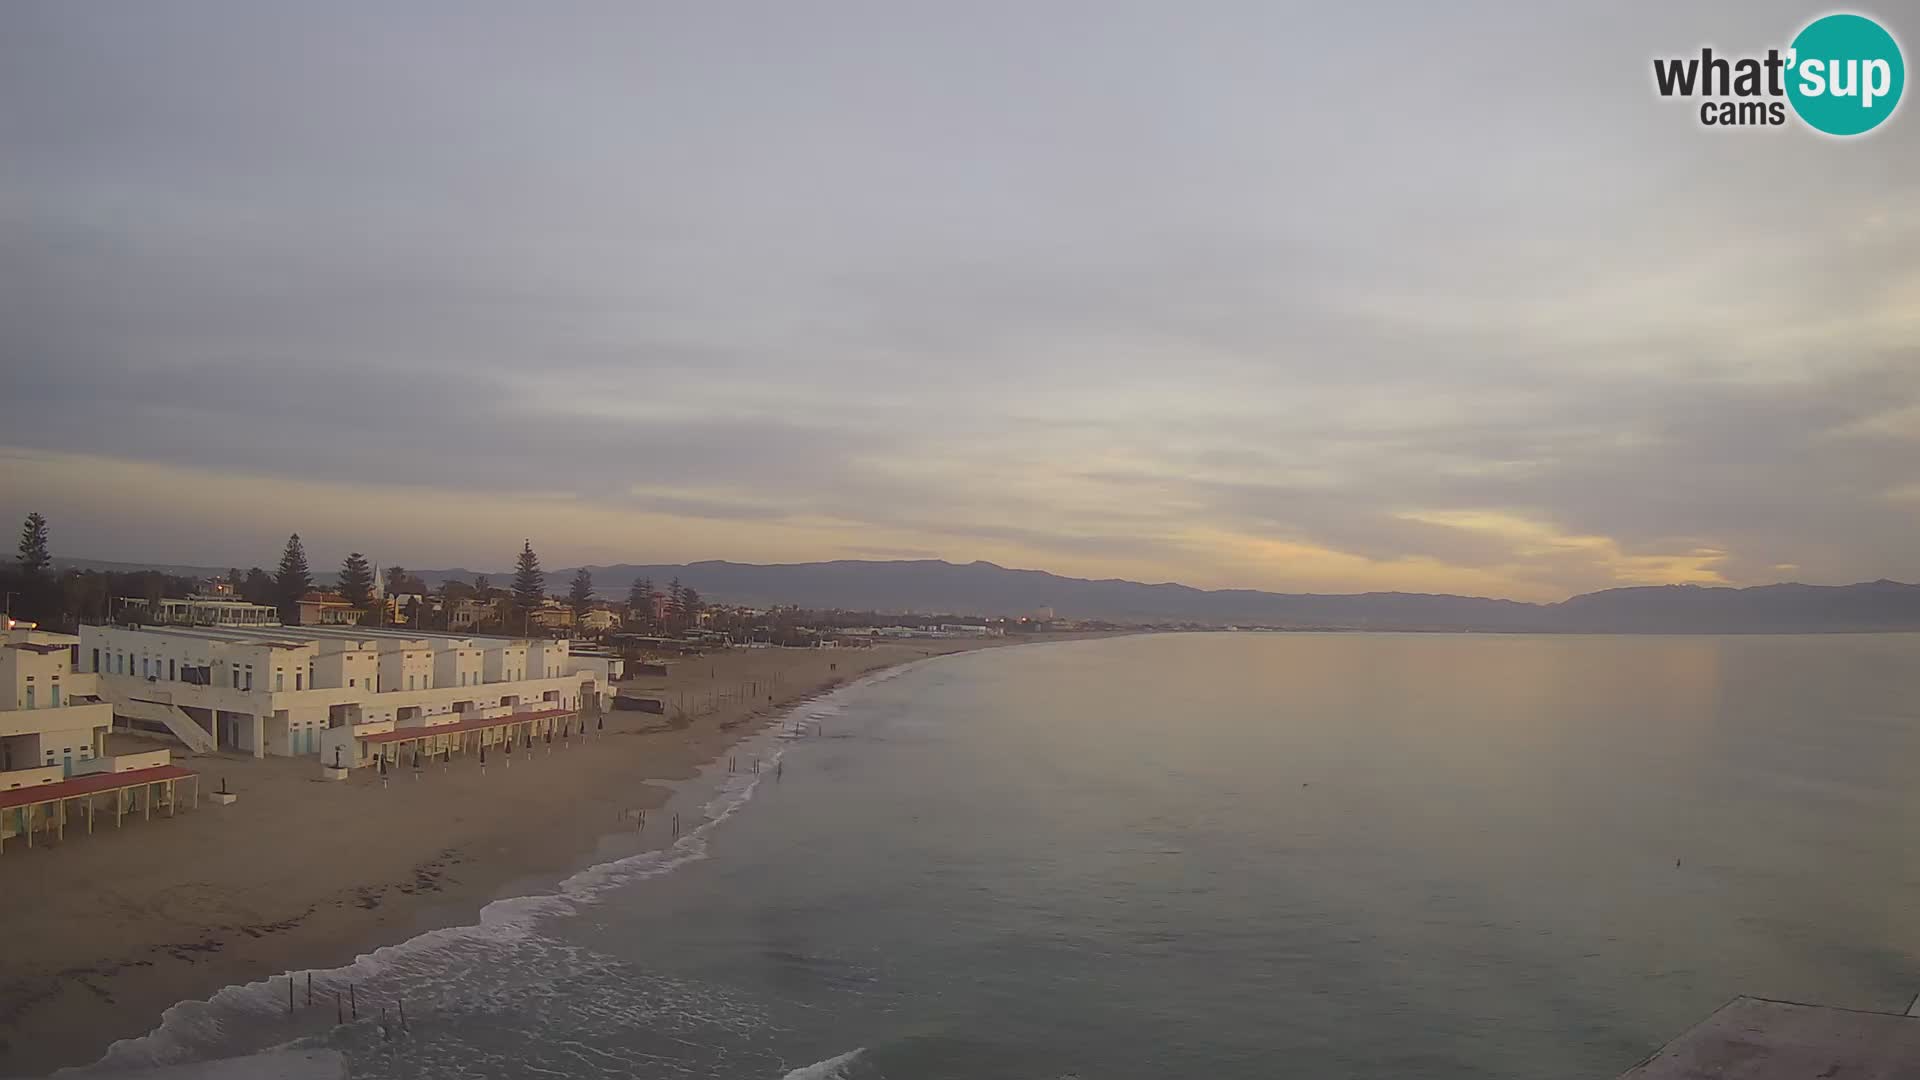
(1217, 856)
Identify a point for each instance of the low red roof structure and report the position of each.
(81, 786)
(29, 801)
(407, 734)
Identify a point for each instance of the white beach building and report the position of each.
(53, 735)
(51, 720)
(282, 690)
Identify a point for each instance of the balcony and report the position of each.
(63, 718)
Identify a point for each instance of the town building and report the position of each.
(552, 616)
(598, 621)
(282, 690)
(201, 609)
(327, 609)
(466, 614)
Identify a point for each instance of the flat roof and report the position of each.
(283, 636)
(407, 734)
(294, 636)
(90, 785)
(1752, 1038)
(38, 646)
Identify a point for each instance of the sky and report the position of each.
(1307, 297)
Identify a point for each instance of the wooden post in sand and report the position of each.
(353, 1001)
(289, 993)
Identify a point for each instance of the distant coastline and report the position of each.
(982, 588)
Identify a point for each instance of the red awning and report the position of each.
(89, 785)
(409, 733)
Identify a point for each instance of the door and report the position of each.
(67, 765)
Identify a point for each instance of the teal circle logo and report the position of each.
(1846, 74)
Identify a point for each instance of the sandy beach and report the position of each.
(107, 931)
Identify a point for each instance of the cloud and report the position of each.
(1127, 292)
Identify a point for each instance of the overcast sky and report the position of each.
(1322, 297)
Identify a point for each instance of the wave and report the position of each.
(834, 1068)
(233, 1020)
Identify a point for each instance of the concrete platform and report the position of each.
(1758, 1039)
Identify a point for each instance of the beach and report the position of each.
(107, 931)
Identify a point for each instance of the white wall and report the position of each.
(292, 721)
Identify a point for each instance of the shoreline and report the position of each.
(116, 928)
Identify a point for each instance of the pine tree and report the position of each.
(35, 558)
(690, 604)
(529, 584)
(258, 588)
(293, 581)
(482, 588)
(676, 598)
(640, 599)
(356, 581)
(235, 580)
(396, 581)
(580, 592)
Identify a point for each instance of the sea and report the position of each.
(1217, 855)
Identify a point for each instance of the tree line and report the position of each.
(34, 591)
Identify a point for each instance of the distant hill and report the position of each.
(1689, 609)
(982, 588)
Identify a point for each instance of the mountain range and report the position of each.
(983, 588)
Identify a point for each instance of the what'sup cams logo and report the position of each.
(1842, 75)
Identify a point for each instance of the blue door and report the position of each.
(67, 766)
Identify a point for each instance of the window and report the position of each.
(170, 676)
(96, 659)
(296, 681)
(350, 683)
(279, 681)
(30, 703)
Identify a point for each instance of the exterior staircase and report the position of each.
(183, 727)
